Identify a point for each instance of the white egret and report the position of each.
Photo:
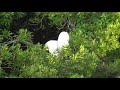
(55, 46)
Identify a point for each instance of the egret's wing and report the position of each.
(52, 46)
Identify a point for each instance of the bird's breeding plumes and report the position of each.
(55, 46)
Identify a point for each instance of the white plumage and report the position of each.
(52, 46)
(63, 39)
(56, 45)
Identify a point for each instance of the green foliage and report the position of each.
(19, 15)
(6, 34)
(1, 38)
(24, 36)
(93, 51)
(6, 19)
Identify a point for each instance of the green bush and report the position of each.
(93, 50)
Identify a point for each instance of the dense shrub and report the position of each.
(93, 50)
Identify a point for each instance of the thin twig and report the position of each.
(9, 42)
